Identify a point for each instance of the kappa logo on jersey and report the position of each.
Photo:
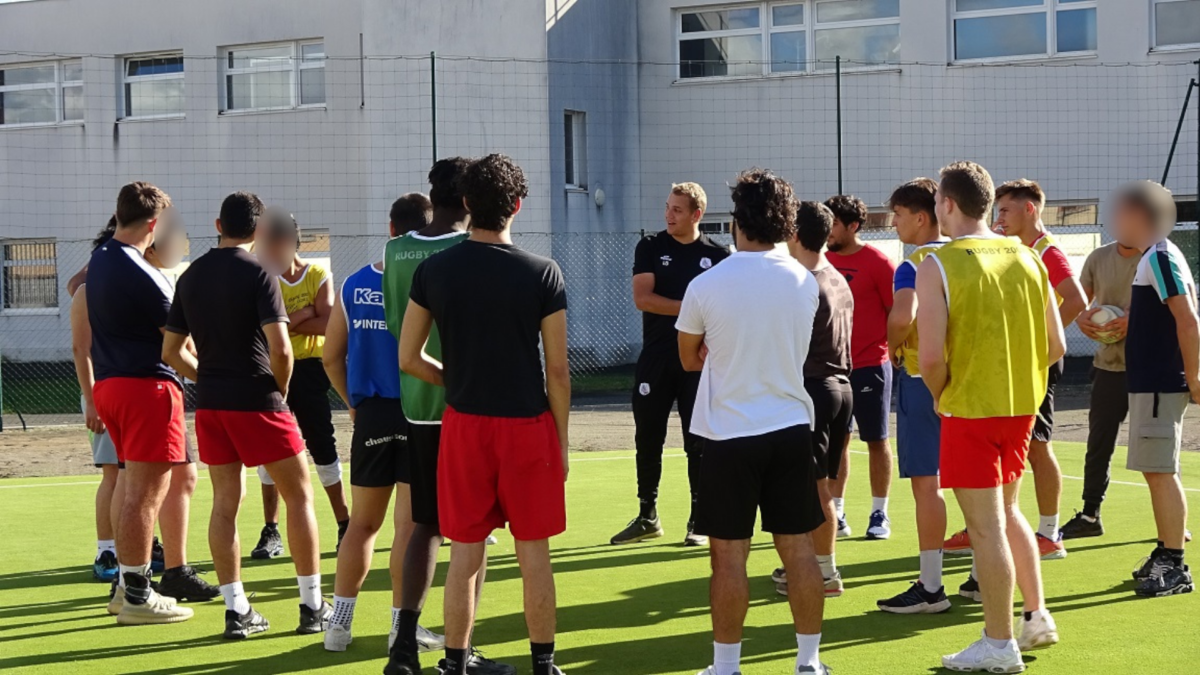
(370, 324)
(367, 296)
(665, 260)
(705, 263)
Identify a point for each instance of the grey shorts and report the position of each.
(104, 452)
(1155, 431)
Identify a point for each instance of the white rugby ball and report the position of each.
(1106, 315)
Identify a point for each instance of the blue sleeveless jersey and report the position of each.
(372, 360)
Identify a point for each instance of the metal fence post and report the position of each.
(837, 70)
(433, 101)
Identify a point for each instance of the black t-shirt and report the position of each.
(829, 349)
(127, 307)
(673, 265)
(488, 301)
(223, 300)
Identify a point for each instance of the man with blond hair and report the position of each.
(663, 266)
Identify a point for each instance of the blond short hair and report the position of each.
(1023, 188)
(694, 192)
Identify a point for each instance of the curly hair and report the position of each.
(916, 195)
(970, 186)
(105, 235)
(239, 215)
(764, 207)
(492, 187)
(814, 220)
(848, 209)
(444, 191)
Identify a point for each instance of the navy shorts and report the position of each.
(872, 401)
(918, 428)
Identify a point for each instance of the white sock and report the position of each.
(343, 611)
(879, 504)
(807, 647)
(974, 569)
(1048, 527)
(727, 658)
(931, 570)
(396, 619)
(828, 564)
(839, 507)
(103, 545)
(235, 597)
(310, 591)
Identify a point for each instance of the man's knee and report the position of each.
(728, 557)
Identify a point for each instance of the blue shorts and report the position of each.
(872, 401)
(918, 428)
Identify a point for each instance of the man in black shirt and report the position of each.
(504, 433)
(234, 310)
(663, 266)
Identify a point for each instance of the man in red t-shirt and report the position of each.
(870, 273)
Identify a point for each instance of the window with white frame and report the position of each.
(152, 86)
(41, 93)
(1068, 214)
(1176, 23)
(718, 225)
(29, 274)
(787, 37)
(575, 148)
(1008, 29)
(277, 76)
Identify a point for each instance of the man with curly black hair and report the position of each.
(504, 432)
(746, 326)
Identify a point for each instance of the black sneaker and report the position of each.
(1142, 571)
(158, 557)
(823, 670)
(270, 544)
(401, 663)
(1167, 577)
(638, 529)
(342, 526)
(313, 621)
(478, 664)
(1080, 527)
(916, 600)
(242, 626)
(184, 584)
(970, 590)
(105, 567)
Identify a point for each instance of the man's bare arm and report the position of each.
(81, 351)
(1187, 328)
(1074, 300)
(414, 333)
(901, 320)
(76, 280)
(337, 339)
(558, 378)
(933, 317)
(691, 352)
(280, 348)
(646, 300)
(322, 307)
(1054, 330)
(175, 354)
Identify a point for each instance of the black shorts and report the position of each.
(872, 388)
(1043, 425)
(379, 446)
(308, 399)
(423, 443)
(833, 405)
(774, 473)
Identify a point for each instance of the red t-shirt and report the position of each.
(1057, 265)
(869, 273)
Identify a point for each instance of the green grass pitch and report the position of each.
(640, 610)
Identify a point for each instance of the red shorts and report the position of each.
(144, 416)
(984, 453)
(493, 470)
(251, 437)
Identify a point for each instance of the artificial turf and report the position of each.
(636, 610)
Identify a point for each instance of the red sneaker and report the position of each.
(958, 544)
(1050, 549)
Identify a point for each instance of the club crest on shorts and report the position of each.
(644, 389)
(705, 263)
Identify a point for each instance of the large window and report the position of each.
(787, 37)
(1008, 29)
(41, 93)
(1176, 23)
(153, 86)
(29, 274)
(575, 149)
(274, 77)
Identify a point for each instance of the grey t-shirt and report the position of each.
(1109, 276)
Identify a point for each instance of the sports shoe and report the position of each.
(638, 529)
(342, 527)
(1146, 565)
(313, 621)
(402, 664)
(1187, 536)
(693, 539)
(491, 540)
(916, 600)
(880, 527)
(958, 544)
(1166, 578)
(478, 664)
(1051, 549)
(843, 528)
(712, 670)
(156, 610)
(1037, 633)
(158, 557)
(242, 626)
(820, 670)
(779, 576)
(337, 638)
(970, 589)
(105, 567)
(1079, 527)
(184, 584)
(983, 657)
(115, 601)
(833, 586)
(427, 640)
(270, 544)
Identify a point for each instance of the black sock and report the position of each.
(274, 527)
(1091, 510)
(1175, 554)
(456, 662)
(692, 513)
(1029, 616)
(406, 638)
(649, 509)
(137, 588)
(543, 658)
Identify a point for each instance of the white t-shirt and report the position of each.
(755, 311)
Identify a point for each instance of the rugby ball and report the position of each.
(1106, 315)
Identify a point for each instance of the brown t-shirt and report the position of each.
(1109, 276)
(829, 350)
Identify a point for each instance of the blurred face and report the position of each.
(1014, 217)
(909, 225)
(274, 253)
(680, 217)
(1132, 226)
(841, 236)
(170, 241)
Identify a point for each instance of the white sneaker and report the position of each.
(833, 585)
(1038, 633)
(337, 638)
(843, 528)
(880, 526)
(427, 640)
(491, 540)
(116, 602)
(157, 609)
(982, 657)
(712, 670)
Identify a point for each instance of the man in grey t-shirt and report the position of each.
(1107, 279)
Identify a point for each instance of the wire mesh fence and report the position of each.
(335, 139)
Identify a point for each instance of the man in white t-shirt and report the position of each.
(746, 325)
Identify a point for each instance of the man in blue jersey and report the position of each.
(361, 360)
